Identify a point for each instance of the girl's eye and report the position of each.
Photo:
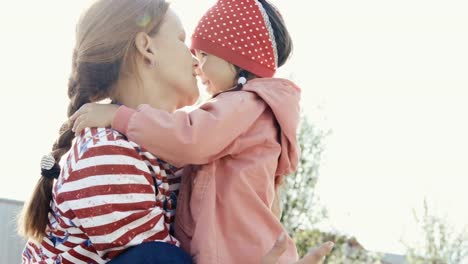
(203, 54)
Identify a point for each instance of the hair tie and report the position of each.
(242, 80)
(49, 167)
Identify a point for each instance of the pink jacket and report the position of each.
(224, 210)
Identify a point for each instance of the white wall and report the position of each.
(11, 245)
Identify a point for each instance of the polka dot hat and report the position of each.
(238, 31)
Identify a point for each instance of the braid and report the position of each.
(34, 219)
(88, 80)
(77, 99)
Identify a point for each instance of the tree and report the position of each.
(441, 245)
(302, 211)
(301, 208)
(347, 250)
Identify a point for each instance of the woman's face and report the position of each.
(175, 66)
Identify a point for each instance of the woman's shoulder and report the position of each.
(93, 142)
(101, 151)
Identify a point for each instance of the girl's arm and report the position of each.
(195, 137)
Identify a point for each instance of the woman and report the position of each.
(111, 194)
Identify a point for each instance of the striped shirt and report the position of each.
(111, 195)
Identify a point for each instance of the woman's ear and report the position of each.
(144, 47)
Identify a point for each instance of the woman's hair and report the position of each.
(105, 41)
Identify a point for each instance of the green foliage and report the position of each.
(347, 250)
(302, 210)
(300, 203)
(441, 245)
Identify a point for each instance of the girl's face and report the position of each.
(215, 73)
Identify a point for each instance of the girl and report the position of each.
(243, 139)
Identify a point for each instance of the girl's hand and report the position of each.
(315, 256)
(93, 115)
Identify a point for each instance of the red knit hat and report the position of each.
(240, 32)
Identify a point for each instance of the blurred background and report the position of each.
(384, 133)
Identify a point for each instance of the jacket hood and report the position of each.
(283, 97)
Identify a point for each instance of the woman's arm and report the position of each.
(112, 196)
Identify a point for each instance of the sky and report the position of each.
(389, 79)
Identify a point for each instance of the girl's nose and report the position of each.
(196, 65)
(198, 71)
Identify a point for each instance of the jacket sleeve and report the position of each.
(196, 137)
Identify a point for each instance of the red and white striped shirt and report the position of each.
(111, 195)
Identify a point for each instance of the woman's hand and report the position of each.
(93, 115)
(315, 256)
